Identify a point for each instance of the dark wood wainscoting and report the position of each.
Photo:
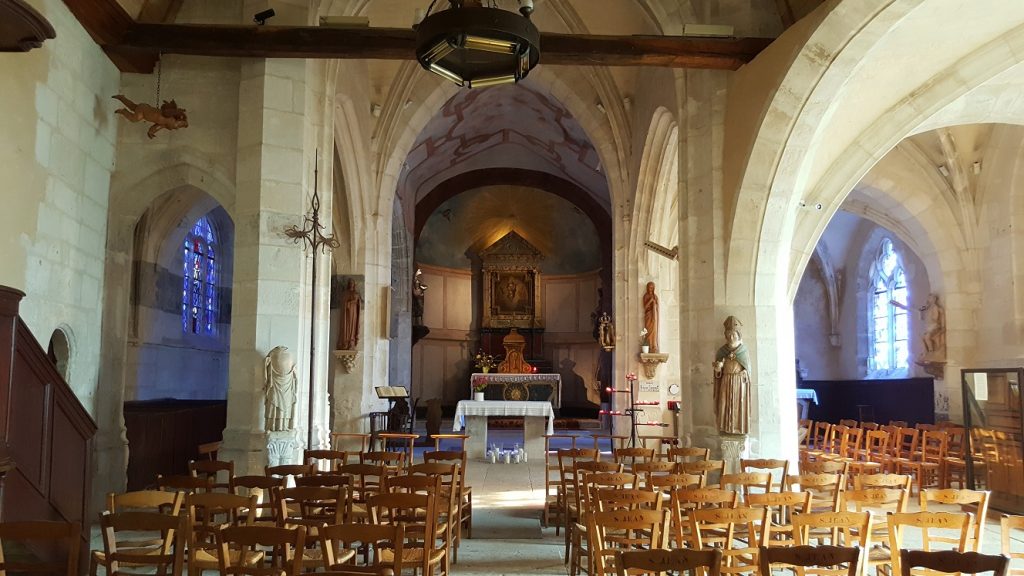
(910, 399)
(163, 435)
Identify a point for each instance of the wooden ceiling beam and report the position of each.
(400, 44)
(135, 46)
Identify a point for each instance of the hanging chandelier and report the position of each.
(475, 45)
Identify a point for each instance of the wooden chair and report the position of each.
(949, 561)
(962, 497)
(631, 456)
(848, 422)
(285, 545)
(825, 467)
(208, 450)
(813, 559)
(458, 438)
(324, 480)
(658, 561)
(393, 462)
(567, 460)
(946, 525)
(366, 480)
(350, 442)
(925, 465)
(1007, 524)
(418, 513)
(449, 525)
(880, 502)
(613, 531)
(747, 482)
(667, 482)
(285, 470)
(326, 461)
(658, 444)
(903, 447)
(954, 465)
(588, 480)
(771, 466)
(264, 489)
(171, 530)
(404, 442)
(720, 528)
(186, 484)
(154, 501)
(213, 469)
(311, 508)
(824, 488)
(819, 442)
(457, 457)
(646, 470)
(553, 504)
(683, 500)
(60, 539)
(688, 454)
(341, 543)
(833, 528)
(210, 512)
(872, 457)
(626, 498)
(614, 441)
(781, 507)
(712, 470)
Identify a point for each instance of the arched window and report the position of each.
(889, 331)
(199, 292)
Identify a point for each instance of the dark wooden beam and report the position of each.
(135, 46)
(399, 44)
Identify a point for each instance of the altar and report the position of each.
(520, 387)
(538, 420)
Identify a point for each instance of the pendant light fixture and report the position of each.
(475, 45)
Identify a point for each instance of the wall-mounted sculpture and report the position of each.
(651, 314)
(280, 390)
(350, 302)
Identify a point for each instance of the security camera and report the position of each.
(262, 17)
(526, 7)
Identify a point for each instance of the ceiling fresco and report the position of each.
(505, 126)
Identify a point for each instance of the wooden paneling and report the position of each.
(163, 435)
(561, 300)
(46, 447)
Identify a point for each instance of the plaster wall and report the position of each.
(56, 156)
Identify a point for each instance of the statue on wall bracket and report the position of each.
(511, 284)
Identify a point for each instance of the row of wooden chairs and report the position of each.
(933, 455)
(806, 559)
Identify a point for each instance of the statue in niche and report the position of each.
(350, 302)
(167, 117)
(651, 317)
(419, 293)
(732, 382)
(280, 390)
(606, 332)
(934, 336)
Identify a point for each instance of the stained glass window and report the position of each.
(199, 289)
(889, 332)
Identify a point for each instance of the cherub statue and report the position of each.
(169, 116)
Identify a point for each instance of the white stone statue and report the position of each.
(280, 390)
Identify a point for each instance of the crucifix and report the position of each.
(311, 235)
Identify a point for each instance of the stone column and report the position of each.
(281, 125)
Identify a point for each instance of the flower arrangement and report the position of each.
(644, 340)
(479, 384)
(484, 361)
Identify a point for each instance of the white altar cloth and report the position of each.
(809, 394)
(503, 408)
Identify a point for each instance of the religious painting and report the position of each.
(511, 283)
(512, 292)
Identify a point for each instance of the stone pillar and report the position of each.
(281, 111)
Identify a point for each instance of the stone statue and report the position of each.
(606, 332)
(350, 302)
(934, 335)
(651, 317)
(419, 293)
(280, 389)
(732, 382)
(167, 117)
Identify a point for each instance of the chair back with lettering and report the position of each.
(781, 508)
(933, 526)
(824, 488)
(659, 561)
(613, 531)
(813, 559)
(688, 454)
(738, 532)
(949, 562)
(961, 497)
(778, 469)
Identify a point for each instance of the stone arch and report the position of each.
(61, 351)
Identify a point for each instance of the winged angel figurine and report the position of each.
(168, 117)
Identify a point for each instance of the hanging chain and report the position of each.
(159, 74)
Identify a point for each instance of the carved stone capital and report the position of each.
(650, 363)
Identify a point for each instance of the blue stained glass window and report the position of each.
(890, 349)
(199, 292)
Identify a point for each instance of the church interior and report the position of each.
(697, 239)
